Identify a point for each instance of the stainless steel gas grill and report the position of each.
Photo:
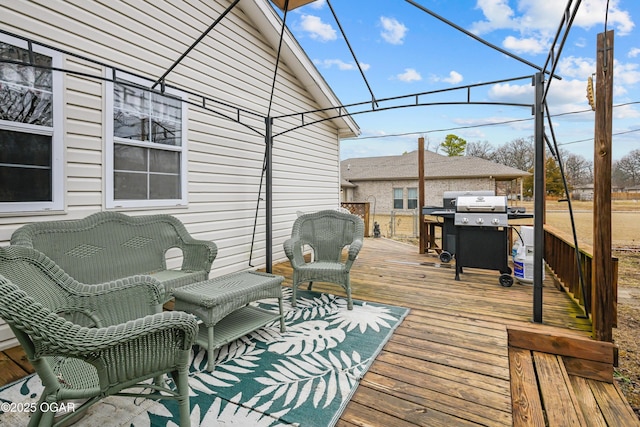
(481, 235)
(447, 212)
(481, 211)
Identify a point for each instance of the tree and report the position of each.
(554, 182)
(453, 145)
(518, 154)
(577, 169)
(626, 171)
(483, 150)
(553, 177)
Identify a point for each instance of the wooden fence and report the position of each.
(362, 210)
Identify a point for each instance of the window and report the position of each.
(146, 148)
(31, 169)
(412, 198)
(398, 198)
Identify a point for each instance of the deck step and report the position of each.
(564, 380)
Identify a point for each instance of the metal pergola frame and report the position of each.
(538, 108)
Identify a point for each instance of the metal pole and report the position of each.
(194, 44)
(268, 139)
(539, 193)
(422, 229)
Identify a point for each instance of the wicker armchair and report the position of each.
(92, 341)
(327, 233)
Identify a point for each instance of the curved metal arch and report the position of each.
(225, 116)
(416, 95)
(374, 110)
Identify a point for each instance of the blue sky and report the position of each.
(404, 50)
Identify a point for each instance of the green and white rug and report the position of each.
(305, 376)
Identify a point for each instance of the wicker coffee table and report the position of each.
(222, 306)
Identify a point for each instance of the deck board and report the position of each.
(449, 363)
(556, 395)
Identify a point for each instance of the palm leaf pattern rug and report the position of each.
(303, 377)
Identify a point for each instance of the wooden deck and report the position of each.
(467, 353)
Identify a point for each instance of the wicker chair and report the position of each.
(87, 342)
(327, 232)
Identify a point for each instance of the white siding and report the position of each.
(233, 63)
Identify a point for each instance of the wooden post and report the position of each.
(603, 293)
(421, 228)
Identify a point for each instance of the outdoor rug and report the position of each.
(303, 377)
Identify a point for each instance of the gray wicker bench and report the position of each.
(108, 246)
(222, 305)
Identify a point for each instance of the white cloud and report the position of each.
(626, 112)
(580, 69)
(392, 31)
(409, 75)
(592, 14)
(634, 52)
(525, 45)
(498, 15)
(564, 96)
(507, 92)
(317, 29)
(568, 95)
(453, 78)
(534, 15)
(345, 66)
(535, 21)
(576, 67)
(626, 74)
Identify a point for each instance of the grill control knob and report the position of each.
(465, 220)
(495, 221)
(480, 221)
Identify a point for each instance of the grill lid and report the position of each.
(481, 204)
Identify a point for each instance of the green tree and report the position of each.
(553, 180)
(453, 145)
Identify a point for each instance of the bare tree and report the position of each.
(481, 149)
(626, 171)
(577, 169)
(518, 153)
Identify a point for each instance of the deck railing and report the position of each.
(560, 256)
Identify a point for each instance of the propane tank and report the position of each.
(523, 265)
(514, 249)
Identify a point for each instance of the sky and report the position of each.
(403, 50)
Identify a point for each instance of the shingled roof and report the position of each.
(435, 166)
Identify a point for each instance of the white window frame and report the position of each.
(409, 198)
(110, 141)
(56, 132)
(401, 190)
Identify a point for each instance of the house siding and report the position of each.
(233, 63)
